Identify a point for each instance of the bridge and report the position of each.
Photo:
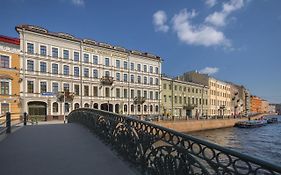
(100, 142)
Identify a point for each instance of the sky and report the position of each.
(232, 40)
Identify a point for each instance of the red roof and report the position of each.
(10, 40)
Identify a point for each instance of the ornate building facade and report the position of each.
(99, 75)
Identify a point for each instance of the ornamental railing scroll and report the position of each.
(153, 149)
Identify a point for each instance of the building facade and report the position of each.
(219, 94)
(240, 100)
(255, 104)
(9, 76)
(99, 75)
(272, 108)
(264, 106)
(183, 99)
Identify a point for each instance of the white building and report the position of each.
(100, 75)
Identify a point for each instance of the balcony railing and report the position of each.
(153, 149)
(106, 80)
(190, 106)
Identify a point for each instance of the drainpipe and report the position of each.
(81, 74)
(23, 77)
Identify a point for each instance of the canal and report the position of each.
(263, 142)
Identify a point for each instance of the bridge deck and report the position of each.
(58, 149)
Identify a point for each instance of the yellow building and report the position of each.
(9, 76)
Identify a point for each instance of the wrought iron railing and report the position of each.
(153, 149)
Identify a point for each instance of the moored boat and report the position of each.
(272, 120)
(250, 123)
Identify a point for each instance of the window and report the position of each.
(86, 58)
(156, 108)
(86, 105)
(95, 59)
(55, 68)
(151, 108)
(145, 80)
(117, 92)
(66, 54)
(132, 108)
(145, 108)
(132, 79)
(118, 76)
(144, 68)
(95, 89)
(151, 95)
(139, 67)
(65, 87)
(156, 96)
(30, 65)
(86, 72)
(76, 89)
(132, 93)
(55, 107)
(5, 87)
(30, 48)
(43, 86)
(118, 63)
(30, 86)
(43, 50)
(139, 79)
(125, 65)
(95, 73)
(4, 61)
(138, 93)
(150, 69)
(156, 81)
(55, 87)
(125, 93)
(4, 108)
(107, 73)
(55, 52)
(151, 81)
(65, 70)
(43, 67)
(132, 66)
(76, 56)
(156, 70)
(106, 61)
(76, 105)
(164, 86)
(125, 108)
(107, 92)
(125, 78)
(145, 94)
(165, 98)
(76, 71)
(66, 107)
(184, 100)
(86, 90)
(180, 100)
(139, 108)
(176, 99)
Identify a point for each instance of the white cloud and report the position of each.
(209, 70)
(159, 21)
(219, 18)
(210, 3)
(78, 2)
(196, 34)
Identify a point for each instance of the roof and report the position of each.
(10, 40)
(70, 37)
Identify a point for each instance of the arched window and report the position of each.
(151, 108)
(86, 105)
(156, 108)
(132, 108)
(145, 108)
(55, 107)
(139, 108)
(125, 108)
(76, 105)
(96, 106)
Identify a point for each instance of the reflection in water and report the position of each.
(263, 142)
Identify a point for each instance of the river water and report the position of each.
(263, 142)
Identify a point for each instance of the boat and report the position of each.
(250, 123)
(272, 120)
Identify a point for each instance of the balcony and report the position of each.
(139, 100)
(189, 106)
(106, 80)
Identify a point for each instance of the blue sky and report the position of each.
(233, 40)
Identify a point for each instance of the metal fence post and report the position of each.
(24, 118)
(8, 122)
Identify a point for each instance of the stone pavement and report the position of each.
(60, 149)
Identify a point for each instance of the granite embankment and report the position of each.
(199, 125)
